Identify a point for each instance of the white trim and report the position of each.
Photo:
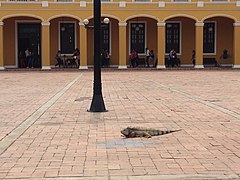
(122, 67)
(219, 1)
(161, 4)
(161, 67)
(236, 24)
(1, 23)
(44, 3)
(2, 68)
(160, 24)
(200, 4)
(124, 24)
(16, 37)
(236, 66)
(83, 4)
(83, 67)
(122, 4)
(46, 67)
(59, 34)
(215, 38)
(45, 23)
(81, 24)
(199, 24)
(180, 43)
(129, 35)
(198, 66)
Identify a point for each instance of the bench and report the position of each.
(210, 62)
(69, 61)
(177, 62)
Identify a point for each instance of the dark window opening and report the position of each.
(67, 38)
(138, 37)
(209, 37)
(172, 37)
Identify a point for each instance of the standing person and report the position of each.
(147, 56)
(28, 57)
(193, 57)
(152, 57)
(172, 57)
(58, 58)
(107, 58)
(76, 56)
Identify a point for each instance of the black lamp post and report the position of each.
(97, 104)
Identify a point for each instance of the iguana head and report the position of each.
(126, 131)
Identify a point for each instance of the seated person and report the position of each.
(225, 54)
(134, 58)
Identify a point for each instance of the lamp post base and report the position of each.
(97, 104)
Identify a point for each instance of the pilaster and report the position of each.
(46, 45)
(1, 47)
(83, 46)
(199, 44)
(236, 45)
(161, 45)
(122, 45)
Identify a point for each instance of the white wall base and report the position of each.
(46, 67)
(161, 67)
(236, 66)
(122, 67)
(198, 66)
(83, 67)
(2, 68)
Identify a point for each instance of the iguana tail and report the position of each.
(167, 131)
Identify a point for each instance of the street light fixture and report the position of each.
(97, 104)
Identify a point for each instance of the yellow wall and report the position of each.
(149, 12)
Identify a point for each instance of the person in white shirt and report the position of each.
(147, 56)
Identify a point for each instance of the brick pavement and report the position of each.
(46, 131)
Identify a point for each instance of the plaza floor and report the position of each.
(47, 133)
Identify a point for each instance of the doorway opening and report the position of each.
(29, 37)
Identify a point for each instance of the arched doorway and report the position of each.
(25, 34)
(109, 41)
(180, 36)
(218, 37)
(142, 34)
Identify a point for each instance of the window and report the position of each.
(67, 37)
(173, 37)
(105, 37)
(180, 0)
(137, 37)
(209, 37)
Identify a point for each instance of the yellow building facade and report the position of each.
(208, 27)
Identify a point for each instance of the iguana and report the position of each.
(141, 132)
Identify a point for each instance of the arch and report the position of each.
(220, 15)
(142, 15)
(63, 15)
(181, 15)
(21, 15)
(106, 15)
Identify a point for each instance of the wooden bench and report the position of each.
(210, 62)
(141, 62)
(177, 62)
(69, 61)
